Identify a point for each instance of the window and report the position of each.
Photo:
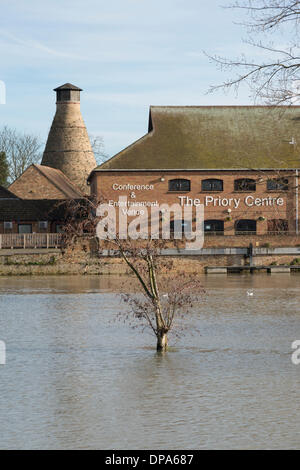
(43, 225)
(180, 227)
(245, 226)
(24, 228)
(244, 184)
(215, 227)
(63, 95)
(59, 228)
(278, 184)
(212, 185)
(278, 226)
(179, 185)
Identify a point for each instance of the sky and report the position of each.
(125, 54)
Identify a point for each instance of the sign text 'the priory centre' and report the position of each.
(231, 202)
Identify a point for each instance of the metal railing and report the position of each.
(30, 240)
(246, 233)
(213, 234)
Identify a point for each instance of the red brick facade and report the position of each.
(228, 205)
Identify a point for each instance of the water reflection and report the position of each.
(74, 379)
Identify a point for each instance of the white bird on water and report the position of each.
(250, 292)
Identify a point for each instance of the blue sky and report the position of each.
(125, 54)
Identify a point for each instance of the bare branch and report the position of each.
(274, 80)
(21, 150)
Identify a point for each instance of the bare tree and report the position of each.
(98, 147)
(274, 77)
(3, 169)
(161, 299)
(21, 150)
(164, 298)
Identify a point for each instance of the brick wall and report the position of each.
(35, 227)
(68, 146)
(102, 183)
(33, 185)
(270, 241)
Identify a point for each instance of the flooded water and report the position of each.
(75, 379)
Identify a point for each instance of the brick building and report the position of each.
(29, 216)
(240, 162)
(43, 182)
(68, 147)
(30, 205)
(68, 157)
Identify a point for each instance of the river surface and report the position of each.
(75, 378)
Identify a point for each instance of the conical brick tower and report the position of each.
(68, 146)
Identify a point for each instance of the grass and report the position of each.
(49, 262)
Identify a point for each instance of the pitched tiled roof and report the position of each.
(212, 137)
(19, 210)
(33, 209)
(53, 209)
(60, 180)
(6, 194)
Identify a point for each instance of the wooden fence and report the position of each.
(30, 240)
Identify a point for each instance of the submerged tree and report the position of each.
(274, 75)
(163, 297)
(168, 295)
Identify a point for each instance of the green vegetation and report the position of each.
(295, 261)
(49, 262)
(4, 170)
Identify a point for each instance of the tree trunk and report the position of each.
(162, 341)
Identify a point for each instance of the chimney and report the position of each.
(68, 146)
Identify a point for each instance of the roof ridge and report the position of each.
(69, 182)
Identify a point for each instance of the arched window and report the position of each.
(278, 184)
(180, 227)
(245, 226)
(244, 184)
(212, 185)
(215, 227)
(278, 226)
(179, 185)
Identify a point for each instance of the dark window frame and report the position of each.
(244, 230)
(183, 222)
(179, 182)
(279, 184)
(57, 226)
(211, 181)
(214, 223)
(278, 226)
(246, 182)
(24, 225)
